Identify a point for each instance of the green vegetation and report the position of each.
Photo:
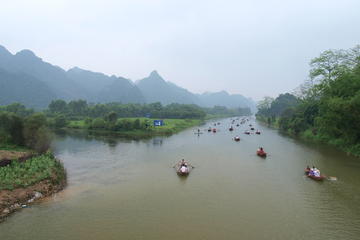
(327, 108)
(24, 127)
(128, 119)
(31, 171)
(24, 130)
(79, 109)
(135, 127)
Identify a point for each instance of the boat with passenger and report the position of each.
(261, 153)
(314, 173)
(183, 168)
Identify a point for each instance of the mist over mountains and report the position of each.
(27, 79)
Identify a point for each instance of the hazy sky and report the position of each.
(253, 47)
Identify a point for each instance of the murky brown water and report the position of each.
(122, 189)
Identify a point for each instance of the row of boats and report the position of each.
(183, 168)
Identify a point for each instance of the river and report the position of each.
(127, 189)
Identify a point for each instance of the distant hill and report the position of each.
(27, 79)
(103, 88)
(156, 89)
(225, 99)
(28, 63)
(23, 88)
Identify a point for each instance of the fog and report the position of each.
(255, 48)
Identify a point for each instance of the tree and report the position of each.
(265, 103)
(19, 109)
(60, 121)
(36, 133)
(327, 65)
(111, 117)
(137, 124)
(11, 129)
(58, 106)
(78, 107)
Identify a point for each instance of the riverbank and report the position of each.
(311, 135)
(24, 182)
(137, 127)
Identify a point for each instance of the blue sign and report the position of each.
(159, 123)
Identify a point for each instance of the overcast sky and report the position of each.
(253, 47)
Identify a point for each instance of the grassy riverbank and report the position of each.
(312, 135)
(23, 174)
(137, 127)
(27, 178)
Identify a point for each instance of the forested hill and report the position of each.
(27, 79)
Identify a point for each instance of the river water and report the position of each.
(126, 189)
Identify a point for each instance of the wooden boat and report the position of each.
(183, 171)
(214, 130)
(252, 128)
(247, 132)
(237, 125)
(307, 171)
(231, 128)
(261, 153)
(257, 132)
(209, 130)
(237, 139)
(322, 177)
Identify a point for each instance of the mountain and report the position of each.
(223, 98)
(28, 79)
(27, 62)
(23, 88)
(69, 85)
(156, 89)
(103, 88)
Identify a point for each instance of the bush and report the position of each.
(98, 123)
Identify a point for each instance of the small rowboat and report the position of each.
(214, 130)
(183, 171)
(237, 139)
(247, 132)
(307, 173)
(231, 128)
(209, 130)
(322, 177)
(261, 154)
(252, 128)
(257, 132)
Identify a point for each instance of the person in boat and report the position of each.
(307, 169)
(316, 172)
(261, 150)
(183, 163)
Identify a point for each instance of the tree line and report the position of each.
(25, 127)
(327, 106)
